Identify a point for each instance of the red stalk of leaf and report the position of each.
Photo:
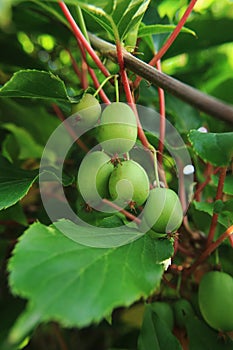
(81, 38)
(218, 196)
(162, 119)
(128, 93)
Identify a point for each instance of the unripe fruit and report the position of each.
(93, 176)
(182, 309)
(215, 298)
(164, 311)
(117, 132)
(87, 111)
(162, 211)
(129, 183)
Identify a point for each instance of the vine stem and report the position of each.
(214, 220)
(62, 118)
(162, 125)
(81, 38)
(170, 39)
(123, 211)
(210, 249)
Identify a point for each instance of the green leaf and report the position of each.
(228, 183)
(15, 183)
(131, 17)
(28, 148)
(214, 148)
(155, 333)
(14, 213)
(224, 217)
(35, 84)
(96, 237)
(152, 29)
(78, 285)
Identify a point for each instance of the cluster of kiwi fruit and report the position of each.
(107, 173)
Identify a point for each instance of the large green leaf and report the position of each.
(35, 84)
(214, 148)
(78, 285)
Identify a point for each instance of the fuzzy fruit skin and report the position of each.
(117, 132)
(88, 110)
(215, 298)
(93, 176)
(165, 312)
(124, 174)
(182, 309)
(162, 211)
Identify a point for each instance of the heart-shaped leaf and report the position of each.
(78, 285)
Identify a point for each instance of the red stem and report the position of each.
(128, 93)
(75, 66)
(68, 128)
(81, 38)
(218, 196)
(123, 211)
(200, 187)
(210, 250)
(162, 119)
(170, 39)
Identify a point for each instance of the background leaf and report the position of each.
(155, 333)
(215, 148)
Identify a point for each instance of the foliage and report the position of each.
(97, 285)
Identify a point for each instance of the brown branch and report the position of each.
(194, 97)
